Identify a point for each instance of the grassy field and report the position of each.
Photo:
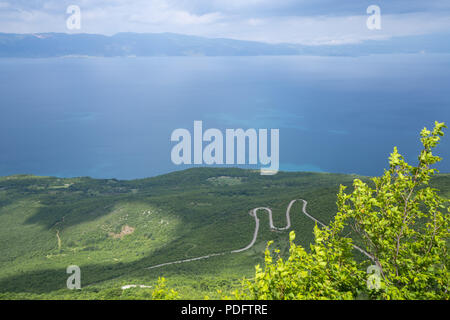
(114, 230)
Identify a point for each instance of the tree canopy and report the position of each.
(400, 226)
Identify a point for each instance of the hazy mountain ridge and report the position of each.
(45, 45)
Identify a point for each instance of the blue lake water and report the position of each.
(113, 117)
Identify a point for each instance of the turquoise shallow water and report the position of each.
(113, 117)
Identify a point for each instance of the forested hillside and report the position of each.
(115, 230)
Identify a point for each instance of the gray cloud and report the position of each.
(299, 21)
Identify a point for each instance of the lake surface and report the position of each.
(113, 117)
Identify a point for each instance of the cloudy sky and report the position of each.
(294, 21)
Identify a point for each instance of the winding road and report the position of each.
(253, 213)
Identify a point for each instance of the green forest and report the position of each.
(116, 230)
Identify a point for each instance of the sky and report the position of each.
(312, 22)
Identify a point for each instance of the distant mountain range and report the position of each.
(45, 45)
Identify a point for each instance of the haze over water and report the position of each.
(113, 117)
